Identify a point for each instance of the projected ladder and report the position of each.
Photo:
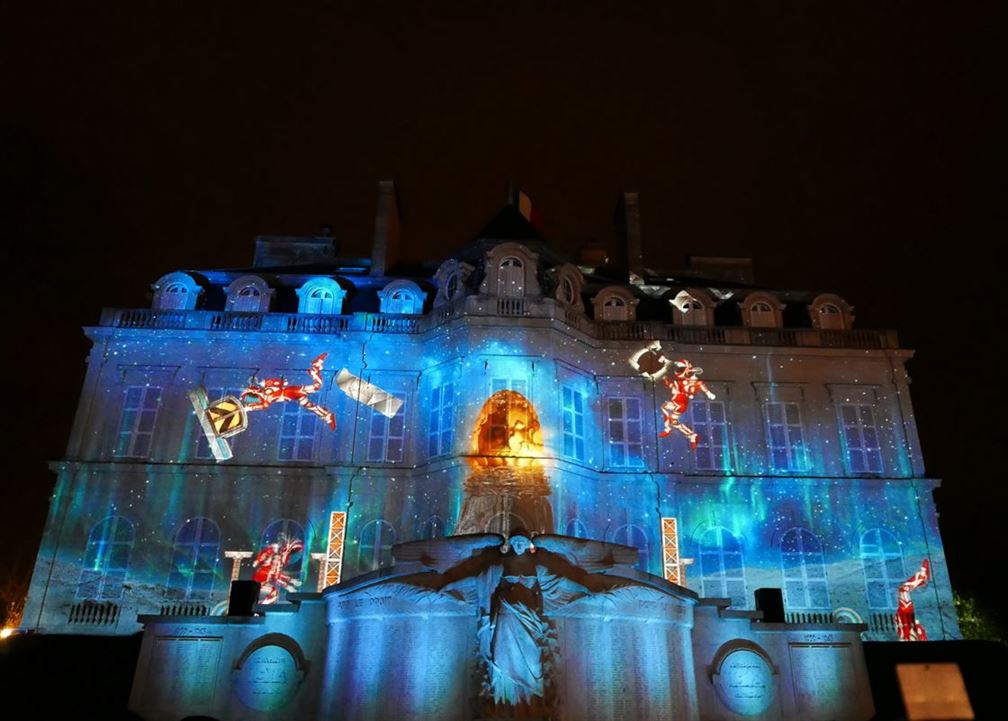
(332, 569)
(675, 569)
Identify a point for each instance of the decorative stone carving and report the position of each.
(743, 676)
(269, 673)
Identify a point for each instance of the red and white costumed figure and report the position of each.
(277, 390)
(269, 567)
(907, 625)
(683, 386)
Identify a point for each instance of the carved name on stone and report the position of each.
(268, 679)
(744, 682)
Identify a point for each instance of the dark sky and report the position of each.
(855, 148)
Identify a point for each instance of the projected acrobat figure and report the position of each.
(269, 567)
(276, 390)
(907, 625)
(683, 386)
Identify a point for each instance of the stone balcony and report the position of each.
(492, 306)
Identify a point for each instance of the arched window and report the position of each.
(633, 535)
(722, 573)
(762, 309)
(194, 559)
(511, 278)
(882, 560)
(282, 531)
(106, 559)
(247, 299)
(830, 317)
(694, 313)
(319, 301)
(804, 571)
(374, 546)
(175, 291)
(402, 296)
(692, 307)
(400, 302)
(505, 523)
(175, 297)
(761, 315)
(576, 529)
(433, 527)
(321, 296)
(614, 308)
(248, 294)
(614, 303)
(452, 286)
(831, 312)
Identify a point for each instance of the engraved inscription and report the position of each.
(268, 680)
(744, 682)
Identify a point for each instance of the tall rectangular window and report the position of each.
(624, 425)
(861, 438)
(385, 437)
(440, 428)
(573, 424)
(297, 433)
(136, 427)
(709, 420)
(785, 437)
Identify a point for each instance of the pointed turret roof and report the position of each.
(509, 224)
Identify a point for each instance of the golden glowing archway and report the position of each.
(507, 479)
(507, 433)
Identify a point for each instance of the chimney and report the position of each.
(627, 221)
(385, 250)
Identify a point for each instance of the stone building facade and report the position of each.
(511, 362)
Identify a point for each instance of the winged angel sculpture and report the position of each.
(515, 583)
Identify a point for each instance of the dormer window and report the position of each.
(830, 317)
(175, 296)
(831, 312)
(249, 294)
(694, 313)
(321, 296)
(568, 285)
(762, 310)
(615, 303)
(175, 291)
(511, 278)
(450, 280)
(248, 299)
(402, 297)
(511, 272)
(614, 308)
(761, 315)
(400, 302)
(692, 307)
(320, 301)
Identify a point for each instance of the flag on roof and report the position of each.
(523, 203)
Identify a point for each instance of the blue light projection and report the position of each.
(445, 383)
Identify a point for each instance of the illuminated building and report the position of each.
(520, 410)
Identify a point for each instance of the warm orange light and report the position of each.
(507, 433)
(6, 632)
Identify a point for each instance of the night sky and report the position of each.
(847, 147)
